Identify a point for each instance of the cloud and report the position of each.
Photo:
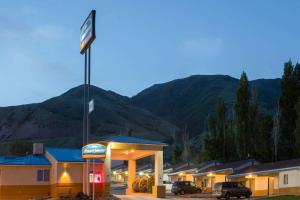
(203, 47)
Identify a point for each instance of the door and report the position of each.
(271, 186)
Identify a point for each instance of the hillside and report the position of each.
(188, 101)
(156, 113)
(61, 117)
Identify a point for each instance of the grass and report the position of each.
(282, 198)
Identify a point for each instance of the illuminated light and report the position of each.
(132, 151)
(126, 152)
(114, 172)
(141, 173)
(249, 176)
(181, 174)
(210, 174)
(126, 173)
(65, 173)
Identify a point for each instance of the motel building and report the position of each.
(62, 172)
(278, 178)
(186, 172)
(218, 173)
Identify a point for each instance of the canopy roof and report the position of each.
(131, 140)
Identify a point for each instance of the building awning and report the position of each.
(131, 140)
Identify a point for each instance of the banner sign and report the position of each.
(87, 32)
(93, 151)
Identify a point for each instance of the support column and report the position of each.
(107, 171)
(131, 175)
(159, 189)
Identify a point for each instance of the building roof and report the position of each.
(131, 140)
(66, 154)
(268, 167)
(228, 166)
(26, 160)
(193, 168)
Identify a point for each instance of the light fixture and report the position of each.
(132, 151)
(180, 174)
(210, 174)
(114, 172)
(249, 176)
(126, 173)
(141, 173)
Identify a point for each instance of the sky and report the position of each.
(140, 43)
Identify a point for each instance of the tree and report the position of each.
(186, 145)
(287, 102)
(242, 114)
(20, 148)
(276, 132)
(221, 128)
(297, 130)
(263, 147)
(177, 152)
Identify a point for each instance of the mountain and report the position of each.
(187, 102)
(158, 112)
(61, 117)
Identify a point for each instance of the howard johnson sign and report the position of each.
(93, 151)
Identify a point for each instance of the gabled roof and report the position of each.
(7, 158)
(26, 160)
(232, 166)
(131, 140)
(66, 154)
(268, 167)
(192, 168)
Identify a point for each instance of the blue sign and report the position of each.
(93, 151)
(87, 32)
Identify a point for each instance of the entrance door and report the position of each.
(271, 186)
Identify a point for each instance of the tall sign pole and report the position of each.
(87, 36)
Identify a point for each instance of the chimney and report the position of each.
(38, 148)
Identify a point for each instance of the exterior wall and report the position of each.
(260, 186)
(293, 185)
(21, 175)
(220, 178)
(293, 179)
(20, 182)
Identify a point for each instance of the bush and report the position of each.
(143, 184)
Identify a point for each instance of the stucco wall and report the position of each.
(21, 175)
(293, 178)
(219, 178)
(261, 183)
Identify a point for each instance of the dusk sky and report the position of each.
(140, 43)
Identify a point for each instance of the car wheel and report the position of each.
(247, 196)
(238, 197)
(227, 196)
(175, 193)
(182, 192)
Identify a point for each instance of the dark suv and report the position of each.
(231, 189)
(183, 187)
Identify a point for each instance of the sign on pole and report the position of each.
(93, 151)
(87, 32)
(91, 106)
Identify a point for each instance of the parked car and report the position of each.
(168, 185)
(183, 187)
(231, 189)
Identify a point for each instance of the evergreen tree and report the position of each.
(287, 101)
(242, 114)
(263, 150)
(297, 130)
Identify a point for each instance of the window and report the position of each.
(285, 179)
(43, 175)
